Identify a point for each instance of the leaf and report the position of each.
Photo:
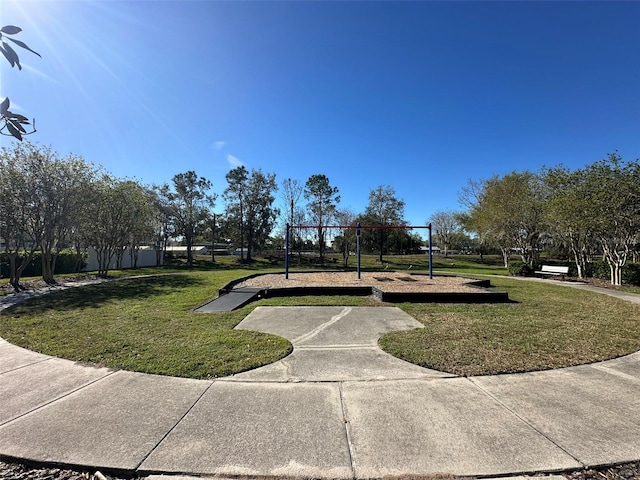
(12, 54)
(7, 56)
(23, 45)
(4, 106)
(14, 131)
(20, 118)
(10, 29)
(17, 125)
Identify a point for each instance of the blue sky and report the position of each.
(421, 96)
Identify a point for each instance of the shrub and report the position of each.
(631, 274)
(520, 269)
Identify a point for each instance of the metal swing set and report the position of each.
(358, 229)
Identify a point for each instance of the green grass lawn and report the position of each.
(146, 324)
(546, 326)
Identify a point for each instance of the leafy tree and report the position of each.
(613, 200)
(190, 205)
(323, 200)
(12, 122)
(260, 214)
(445, 228)
(162, 222)
(235, 196)
(113, 210)
(510, 210)
(384, 209)
(568, 213)
(62, 186)
(20, 218)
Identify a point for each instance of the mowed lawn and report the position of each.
(144, 324)
(147, 325)
(546, 326)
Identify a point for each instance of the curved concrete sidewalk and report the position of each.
(311, 415)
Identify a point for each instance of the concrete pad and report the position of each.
(333, 344)
(441, 426)
(288, 322)
(12, 357)
(591, 413)
(362, 326)
(263, 430)
(337, 365)
(322, 326)
(35, 385)
(112, 423)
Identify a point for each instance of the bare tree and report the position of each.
(445, 227)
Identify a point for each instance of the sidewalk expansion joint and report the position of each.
(27, 365)
(71, 392)
(527, 422)
(347, 432)
(152, 449)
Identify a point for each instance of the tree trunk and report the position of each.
(249, 241)
(47, 270)
(189, 241)
(505, 257)
(321, 243)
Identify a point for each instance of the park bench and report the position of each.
(551, 270)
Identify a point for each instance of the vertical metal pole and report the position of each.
(213, 240)
(286, 253)
(358, 247)
(430, 256)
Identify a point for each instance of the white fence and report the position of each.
(146, 258)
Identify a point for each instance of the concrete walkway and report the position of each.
(337, 407)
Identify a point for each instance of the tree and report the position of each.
(384, 209)
(568, 213)
(234, 195)
(20, 220)
(611, 193)
(323, 199)
(113, 210)
(191, 205)
(62, 186)
(260, 214)
(445, 228)
(162, 224)
(345, 241)
(510, 210)
(12, 122)
(292, 191)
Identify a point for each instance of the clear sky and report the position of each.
(421, 96)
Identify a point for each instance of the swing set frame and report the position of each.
(358, 229)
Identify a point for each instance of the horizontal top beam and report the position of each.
(377, 227)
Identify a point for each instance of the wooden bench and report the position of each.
(551, 270)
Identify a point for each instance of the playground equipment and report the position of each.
(358, 229)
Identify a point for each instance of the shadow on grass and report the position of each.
(93, 296)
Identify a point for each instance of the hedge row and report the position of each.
(65, 263)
